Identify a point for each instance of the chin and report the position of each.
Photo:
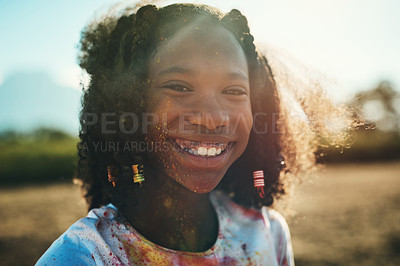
(201, 183)
(202, 189)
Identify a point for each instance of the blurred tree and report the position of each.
(380, 106)
(50, 134)
(379, 137)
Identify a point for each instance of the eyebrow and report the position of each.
(182, 70)
(175, 69)
(238, 75)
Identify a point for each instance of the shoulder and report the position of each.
(276, 221)
(234, 210)
(264, 220)
(78, 245)
(279, 229)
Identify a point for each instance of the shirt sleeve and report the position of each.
(82, 244)
(67, 251)
(281, 235)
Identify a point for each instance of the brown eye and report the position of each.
(179, 88)
(235, 91)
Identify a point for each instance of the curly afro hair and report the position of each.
(115, 52)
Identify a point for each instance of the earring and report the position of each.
(138, 176)
(259, 183)
(111, 178)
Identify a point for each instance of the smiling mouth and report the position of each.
(202, 149)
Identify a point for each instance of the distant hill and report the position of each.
(30, 100)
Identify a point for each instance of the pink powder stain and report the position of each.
(229, 261)
(114, 260)
(200, 261)
(251, 213)
(248, 212)
(249, 261)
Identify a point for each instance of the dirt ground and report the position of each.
(347, 215)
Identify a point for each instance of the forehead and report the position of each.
(210, 45)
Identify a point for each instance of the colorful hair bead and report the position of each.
(259, 182)
(111, 178)
(138, 176)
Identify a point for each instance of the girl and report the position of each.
(183, 139)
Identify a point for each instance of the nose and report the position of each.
(211, 120)
(210, 114)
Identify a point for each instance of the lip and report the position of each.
(199, 162)
(203, 138)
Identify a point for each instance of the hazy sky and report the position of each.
(355, 41)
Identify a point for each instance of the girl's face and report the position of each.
(199, 104)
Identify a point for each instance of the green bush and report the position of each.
(42, 155)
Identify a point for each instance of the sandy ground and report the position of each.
(347, 215)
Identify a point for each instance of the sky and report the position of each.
(355, 42)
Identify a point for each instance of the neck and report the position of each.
(172, 216)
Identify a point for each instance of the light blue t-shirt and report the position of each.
(246, 237)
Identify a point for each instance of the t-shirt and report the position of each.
(246, 237)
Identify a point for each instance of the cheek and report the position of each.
(244, 124)
(249, 124)
(156, 119)
(157, 133)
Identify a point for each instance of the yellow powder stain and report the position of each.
(167, 203)
(141, 253)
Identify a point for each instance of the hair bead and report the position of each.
(111, 178)
(259, 183)
(138, 176)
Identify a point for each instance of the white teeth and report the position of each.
(211, 151)
(202, 151)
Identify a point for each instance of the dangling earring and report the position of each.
(138, 173)
(111, 178)
(259, 182)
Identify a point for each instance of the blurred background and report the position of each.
(347, 215)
